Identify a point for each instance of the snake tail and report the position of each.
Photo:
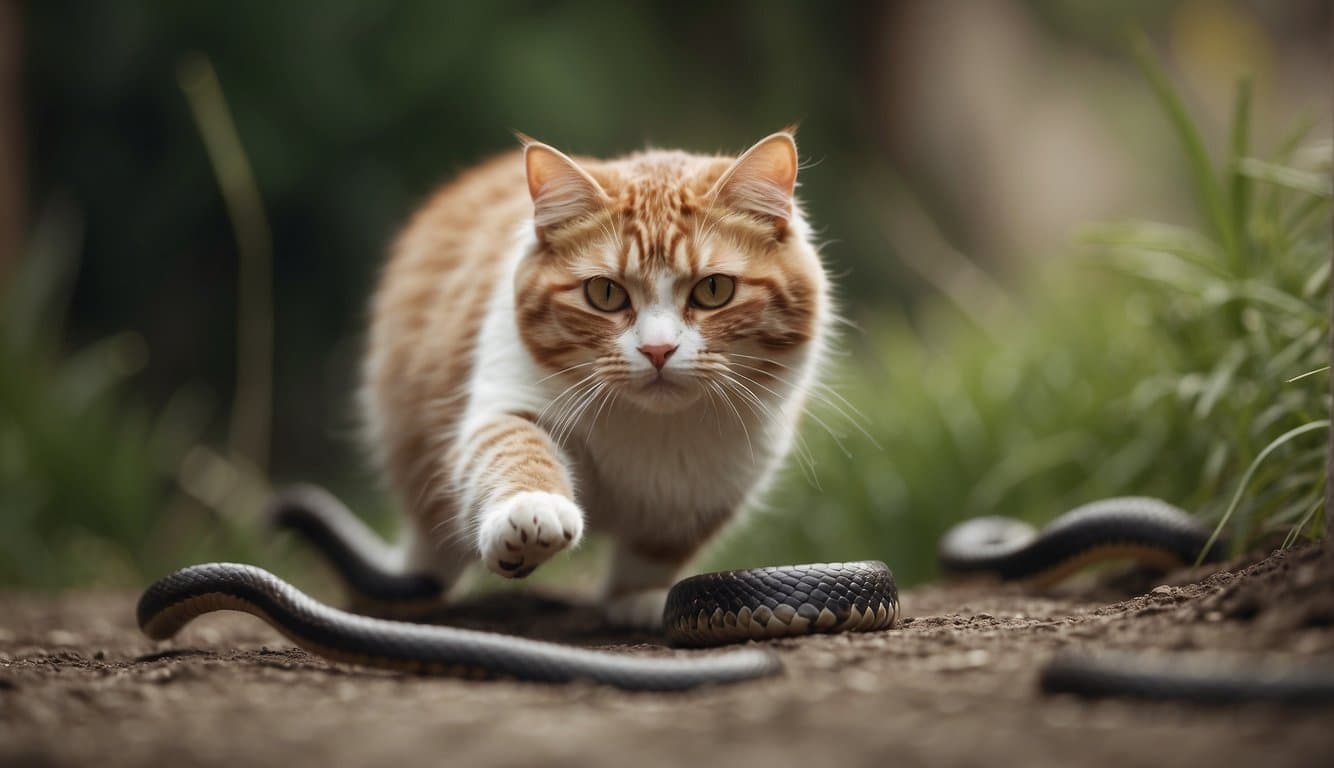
(367, 567)
(1199, 679)
(173, 601)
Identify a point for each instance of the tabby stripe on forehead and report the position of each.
(641, 248)
(693, 255)
(622, 256)
(673, 240)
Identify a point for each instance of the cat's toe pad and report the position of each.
(526, 529)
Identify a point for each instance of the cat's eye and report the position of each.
(606, 295)
(713, 291)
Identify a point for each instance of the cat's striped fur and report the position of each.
(509, 413)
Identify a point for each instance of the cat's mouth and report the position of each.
(664, 393)
(660, 383)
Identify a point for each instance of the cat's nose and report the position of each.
(658, 353)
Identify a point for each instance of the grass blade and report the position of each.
(1239, 187)
(1277, 443)
(1303, 181)
(1301, 376)
(1201, 170)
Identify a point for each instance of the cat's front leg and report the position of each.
(637, 590)
(649, 559)
(517, 489)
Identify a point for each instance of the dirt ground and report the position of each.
(955, 685)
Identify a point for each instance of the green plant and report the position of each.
(1170, 361)
(78, 476)
(1246, 302)
(87, 473)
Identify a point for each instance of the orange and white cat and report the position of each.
(625, 346)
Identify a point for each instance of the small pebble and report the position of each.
(976, 658)
(62, 637)
(1161, 589)
(863, 682)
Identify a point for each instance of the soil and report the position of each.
(955, 685)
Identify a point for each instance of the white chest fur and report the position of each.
(639, 473)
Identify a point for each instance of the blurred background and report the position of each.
(1083, 248)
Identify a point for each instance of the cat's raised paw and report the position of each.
(525, 530)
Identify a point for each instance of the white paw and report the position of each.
(637, 610)
(526, 529)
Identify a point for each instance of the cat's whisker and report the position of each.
(739, 420)
(609, 397)
(586, 401)
(566, 370)
(814, 416)
(614, 232)
(713, 404)
(758, 405)
(804, 455)
(567, 411)
(818, 384)
(769, 360)
(805, 459)
(752, 401)
(564, 393)
(822, 400)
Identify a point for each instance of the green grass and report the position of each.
(88, 472)
(1159, 359)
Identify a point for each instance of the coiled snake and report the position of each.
(709, 609)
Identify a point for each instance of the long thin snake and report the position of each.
(719, 608)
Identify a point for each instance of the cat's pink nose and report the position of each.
(658, 353)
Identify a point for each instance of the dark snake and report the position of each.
(705, 610)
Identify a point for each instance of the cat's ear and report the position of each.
(761, 181)
(562, 191)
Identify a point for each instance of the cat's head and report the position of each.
(664, 279)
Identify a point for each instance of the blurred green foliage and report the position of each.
(87, 470)
(1160, 361)
(78, 467)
